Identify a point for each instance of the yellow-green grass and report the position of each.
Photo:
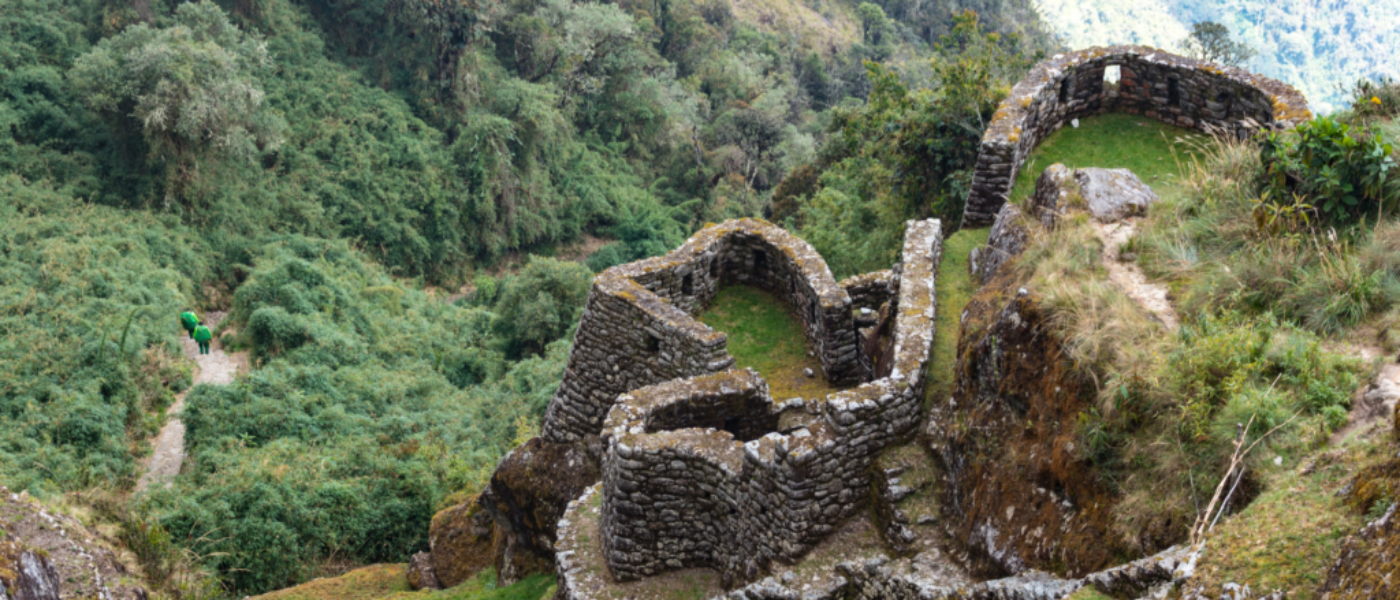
(765, 336)
(390, 582)
(368, 583)
(1113, 141)
(1287, 538)
(955, 287)
(1089, 592)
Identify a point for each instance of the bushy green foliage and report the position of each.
(88, 303)
(1345, 174)
(909, 154)
(541, 303)
(372, 403)
(191, 86)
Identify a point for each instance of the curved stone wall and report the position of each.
(675, 496)
(1173, 89)
(637, 327)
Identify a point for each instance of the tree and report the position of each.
(873, 21)
(1211, 41)
(541, 303)
(192, 86)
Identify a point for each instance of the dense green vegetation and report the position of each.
(88, 296)
(904, 154)
(1321, 48)
(373, 402)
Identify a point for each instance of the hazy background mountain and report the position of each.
(1319, 46)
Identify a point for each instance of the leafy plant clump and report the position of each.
(1345, 174)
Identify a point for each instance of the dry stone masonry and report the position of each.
(1173, 89)
(695, 473)
(638, 329)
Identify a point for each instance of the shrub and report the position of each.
(1344, 173)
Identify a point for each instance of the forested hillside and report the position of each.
(322, 168)
(1321, 48)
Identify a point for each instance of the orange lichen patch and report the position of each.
(368, 583)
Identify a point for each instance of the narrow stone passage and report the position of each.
(217, 368)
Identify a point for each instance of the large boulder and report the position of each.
(26, 574)
(420, 573)
(1114, 194)
(1020, 497)
(528, 493)
(462, 542)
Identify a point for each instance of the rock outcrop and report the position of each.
(528, 494)
(1019, 494)
(1055, 191)
(84, 562)
(26, 574)
(461, 541)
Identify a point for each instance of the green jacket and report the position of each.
(202, 334)
(188, 320)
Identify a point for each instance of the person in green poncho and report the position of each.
(189, 321)
(202, 335)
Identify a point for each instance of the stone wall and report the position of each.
(638, 329)
(677, 498)
(1176, 90)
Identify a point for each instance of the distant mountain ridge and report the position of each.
(1318, 46)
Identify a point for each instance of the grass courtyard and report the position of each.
(765, 336)
(1152, 150)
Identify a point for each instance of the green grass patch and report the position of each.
(1288, 537)
(1112, 141)
(764, 336)
(955, 287)
(367, 583)
(1089, 592)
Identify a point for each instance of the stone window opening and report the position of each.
(760, 262)
(714, 268)
(1173, 92)
(1111, 75)
(1064, 91)
(653, 344)
(688, 284)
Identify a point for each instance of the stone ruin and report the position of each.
(696, 472)
(637, 328)
(1176, 90)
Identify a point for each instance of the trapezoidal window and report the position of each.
(1173, 92)
(760, 262)
(653, 344)
(1064, 90)
(1111, 75)
(688, 284)
(714, 269)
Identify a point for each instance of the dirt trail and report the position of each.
(218, 368)
(1128, 276)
